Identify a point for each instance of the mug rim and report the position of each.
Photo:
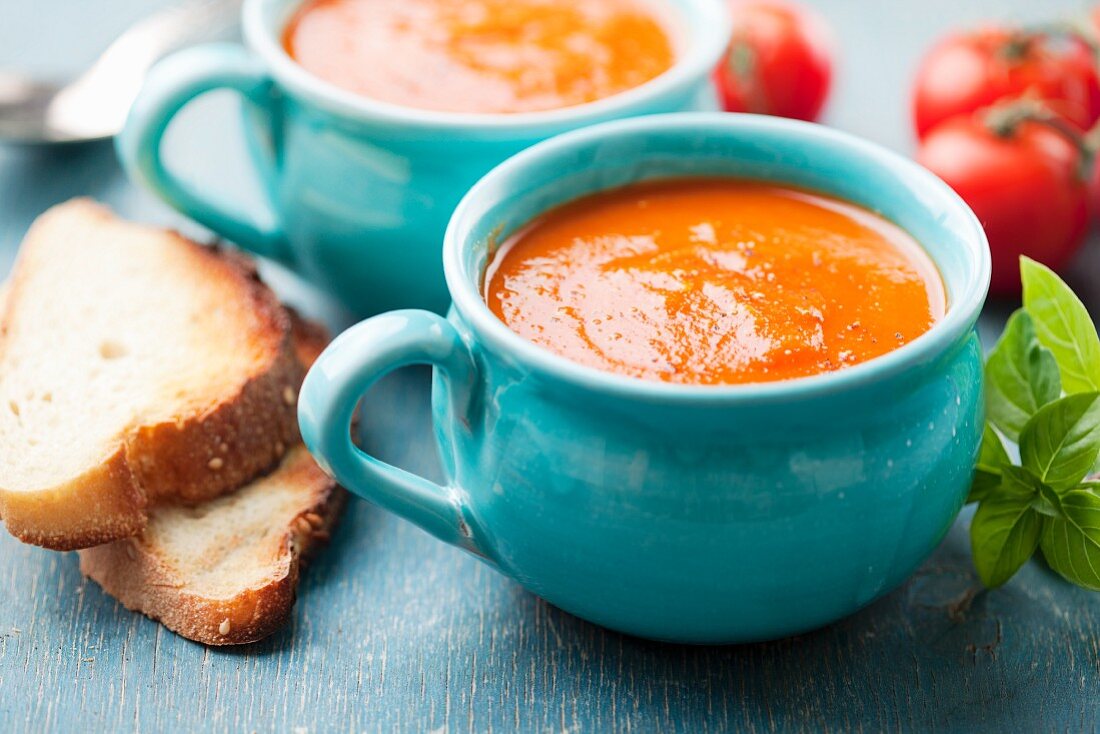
(706, 44)
(958, 319)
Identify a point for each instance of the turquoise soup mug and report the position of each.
(359, 191)
(684, 513)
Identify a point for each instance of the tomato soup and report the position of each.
(482, 55)
(714, 281)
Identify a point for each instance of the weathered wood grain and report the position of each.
(397, 632)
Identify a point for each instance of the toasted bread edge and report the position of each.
(141, 580)
(197, 458)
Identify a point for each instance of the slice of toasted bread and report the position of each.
(225, 572)
(134, 364)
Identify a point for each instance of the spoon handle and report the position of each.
(95, 104)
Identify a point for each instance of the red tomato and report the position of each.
(1026, 187)
(779, 61)
(967, 72)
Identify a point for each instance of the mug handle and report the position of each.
(332, 390)
(170, 85)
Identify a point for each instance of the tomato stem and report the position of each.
(1017, 45)
(741, 63)
(1003, 120)
(1020, 41)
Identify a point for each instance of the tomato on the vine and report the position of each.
(1026, 180)
(967, 72)
(779, 61)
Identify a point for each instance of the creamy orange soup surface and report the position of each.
(714, 282)
(483, 55)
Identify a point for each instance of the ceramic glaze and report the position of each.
(359, 191)
(685, 513)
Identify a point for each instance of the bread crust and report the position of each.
(100, 505)
(139, 575)
(310, 337)
(193, 457)
(241, 437)
(133, 571)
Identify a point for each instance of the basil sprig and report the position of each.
(1043, 394)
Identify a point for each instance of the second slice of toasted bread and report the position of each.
(134, 365)
(224, 572)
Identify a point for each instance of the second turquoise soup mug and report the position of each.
(685, 513)
(359, 191)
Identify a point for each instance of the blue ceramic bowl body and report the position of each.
(360, 191)
(684, 513)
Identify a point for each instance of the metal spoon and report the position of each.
(94, 105)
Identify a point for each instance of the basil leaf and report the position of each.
(1071, 543)
(1005, 531)
(1063, 326)
(1019, 482)
(1047, 503)
(991, 457)
(1061, 442)
(1022, 376)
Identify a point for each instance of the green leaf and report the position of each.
(991, 457)
(1063, 326)
(1071, 543)
(1019, 482)
(1047, 503)
(1005, 531)
(1061, 442)
(1022, 376)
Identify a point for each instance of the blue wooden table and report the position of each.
(395, 631)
